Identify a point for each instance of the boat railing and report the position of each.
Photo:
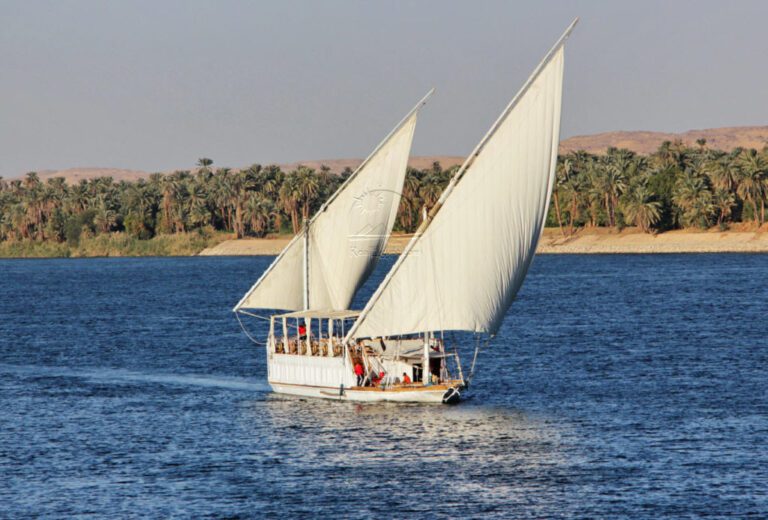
(322, 347)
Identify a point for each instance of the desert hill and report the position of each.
(338, 165)
(75, 175)
(638, 141)
(648, 142)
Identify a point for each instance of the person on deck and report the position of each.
(376, 379)
(302, 332)
(359, 373)
(406, 379)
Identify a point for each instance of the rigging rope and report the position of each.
(252, 315)
(237, 315)
(478, 348)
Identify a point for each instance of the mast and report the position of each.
(306, 265)
(425, 368)
(459, 175)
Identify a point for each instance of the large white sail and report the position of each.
(464, 268)
(345, 237)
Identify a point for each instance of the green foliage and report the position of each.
(661, 183)
(677, 186)
(115, 244)
(75, 225)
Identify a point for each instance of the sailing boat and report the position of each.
(460, 272)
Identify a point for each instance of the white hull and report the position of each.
(367, 396)
(328, 378)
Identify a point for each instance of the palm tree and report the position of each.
(573, 192)
(197, 201)
(175, 195)
(204, 165)
(563, 171)
(138, 207)
(723, 200)
(271, 178)
(289, 199)
(78, 198)
(723, 170)
(620, 165)
(105, 216)
(17, 215)
(431, 187)
(437, 169)
(693, 196)
(240, 183)
(596, 190)
(31, 180)
(640, 208)
(308, 187)
(223, 194)
(753, 179)
(409, 201)
(258, 211)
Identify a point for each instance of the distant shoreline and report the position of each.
(584, 241)
(632, 241)
(599, 241)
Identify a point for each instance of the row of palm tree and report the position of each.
(253, 201)
(675, 187)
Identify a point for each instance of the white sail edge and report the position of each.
(335, 195)
(459, 174)
(495, 126)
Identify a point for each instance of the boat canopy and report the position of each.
(321, 314)
(465, 264)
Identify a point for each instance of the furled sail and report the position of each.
(463, 268)
(323, 267)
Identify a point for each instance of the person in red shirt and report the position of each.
(377, 378)
(359, 373)
(406, 379)
(302, 331)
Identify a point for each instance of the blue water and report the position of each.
(619, 387)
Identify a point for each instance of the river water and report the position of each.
(618, 387)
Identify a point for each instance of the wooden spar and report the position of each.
(285, 334)
(425, 361)
(306, 265)
(333, 197)
(458, 176)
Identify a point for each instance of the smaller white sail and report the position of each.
(345, 238)
(462, 269)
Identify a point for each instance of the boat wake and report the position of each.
(118, 376)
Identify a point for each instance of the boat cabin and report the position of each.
(314, 335)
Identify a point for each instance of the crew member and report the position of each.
(302, 332)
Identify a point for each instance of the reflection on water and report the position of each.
(426, 458)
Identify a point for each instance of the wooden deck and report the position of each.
(445, 385)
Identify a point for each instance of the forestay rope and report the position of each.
(254, 340)
(479, 345)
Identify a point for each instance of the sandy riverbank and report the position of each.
(583, 242)
(273, 246)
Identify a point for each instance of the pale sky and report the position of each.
(154, 85)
